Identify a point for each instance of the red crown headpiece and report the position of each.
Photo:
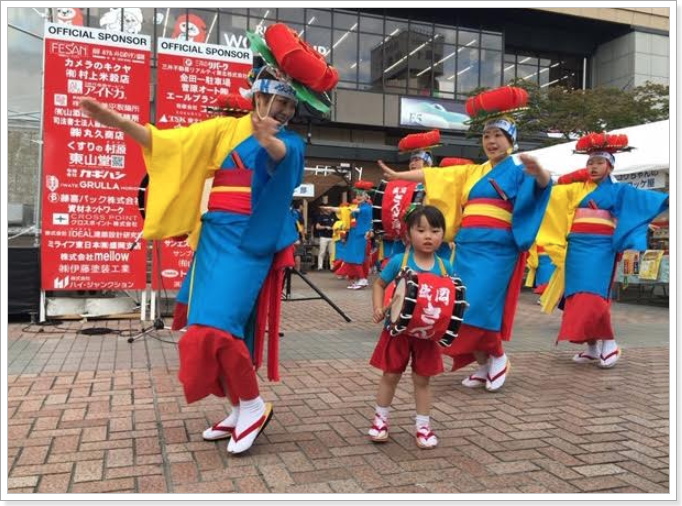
(363, 185)
(610, 143)
(496, 103)
(419, 142)
(577, 176)
(231, 103)
(451, 160)
(298, 59)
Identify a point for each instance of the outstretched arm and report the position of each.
(108, 117)
(534, 169)
(416, 176)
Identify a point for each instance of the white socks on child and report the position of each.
(422, 420)
(382, 412)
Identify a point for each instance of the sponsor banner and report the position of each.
(190, 76)
(433, 113)
(170, 263)
(91, 173)
(647, 179)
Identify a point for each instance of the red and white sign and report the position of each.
(190, 77)
(398, 195)
(92, 173)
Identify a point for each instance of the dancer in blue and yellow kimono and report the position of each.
(354, 251)
(601, 218)
(493, 211)
(540, 268)
(420, 147)
(539, 263)
(244, 240)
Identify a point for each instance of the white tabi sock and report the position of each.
(382, 412)
(422, 420)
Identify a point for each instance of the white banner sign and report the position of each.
(647, 179)
(305, 190)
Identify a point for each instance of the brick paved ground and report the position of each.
(96, 414)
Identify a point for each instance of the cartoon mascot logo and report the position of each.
(190, 27)
(132, 19)
(69, 16)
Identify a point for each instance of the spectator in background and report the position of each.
(323, 226)
(299, 252)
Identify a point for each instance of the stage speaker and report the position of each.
(23, 280)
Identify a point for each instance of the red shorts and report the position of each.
(393, 353)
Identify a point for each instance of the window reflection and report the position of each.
(543, 70)
(345, 55)
(320, 39)
(316, 17)
(344, 21)
(449, 34)
(466, 77)
(394, 27)
(371, 24)
(467, 38)
(260, 19)
(444, 72)
(369, 72)
(491, 68)
(233, 30)
(491, 41)
(291, 15)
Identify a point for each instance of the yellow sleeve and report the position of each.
(178, 163)
(554, 229)
(444, 190)
(532, 263)
(344, 216)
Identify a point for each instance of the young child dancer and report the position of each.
(426, 226)
(602, 218)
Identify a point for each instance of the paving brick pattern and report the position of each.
(96, 414)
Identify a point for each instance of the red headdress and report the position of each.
(602, 145)
(610, 143)
(363, 185)
(451, 161)
(422, 141)
(496, 103)
(297, 63)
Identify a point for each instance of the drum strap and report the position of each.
(441, 265)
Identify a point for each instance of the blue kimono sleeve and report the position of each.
(268, 229)
(529, 210)
(635, 209)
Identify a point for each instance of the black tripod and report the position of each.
(287, 291)
(157, 324)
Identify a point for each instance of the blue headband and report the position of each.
(603, 154)
(423, 155)
(506, 126)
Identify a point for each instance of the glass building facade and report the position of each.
(376, 53)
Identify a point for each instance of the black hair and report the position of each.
(432, 214)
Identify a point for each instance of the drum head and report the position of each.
(398, 299)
